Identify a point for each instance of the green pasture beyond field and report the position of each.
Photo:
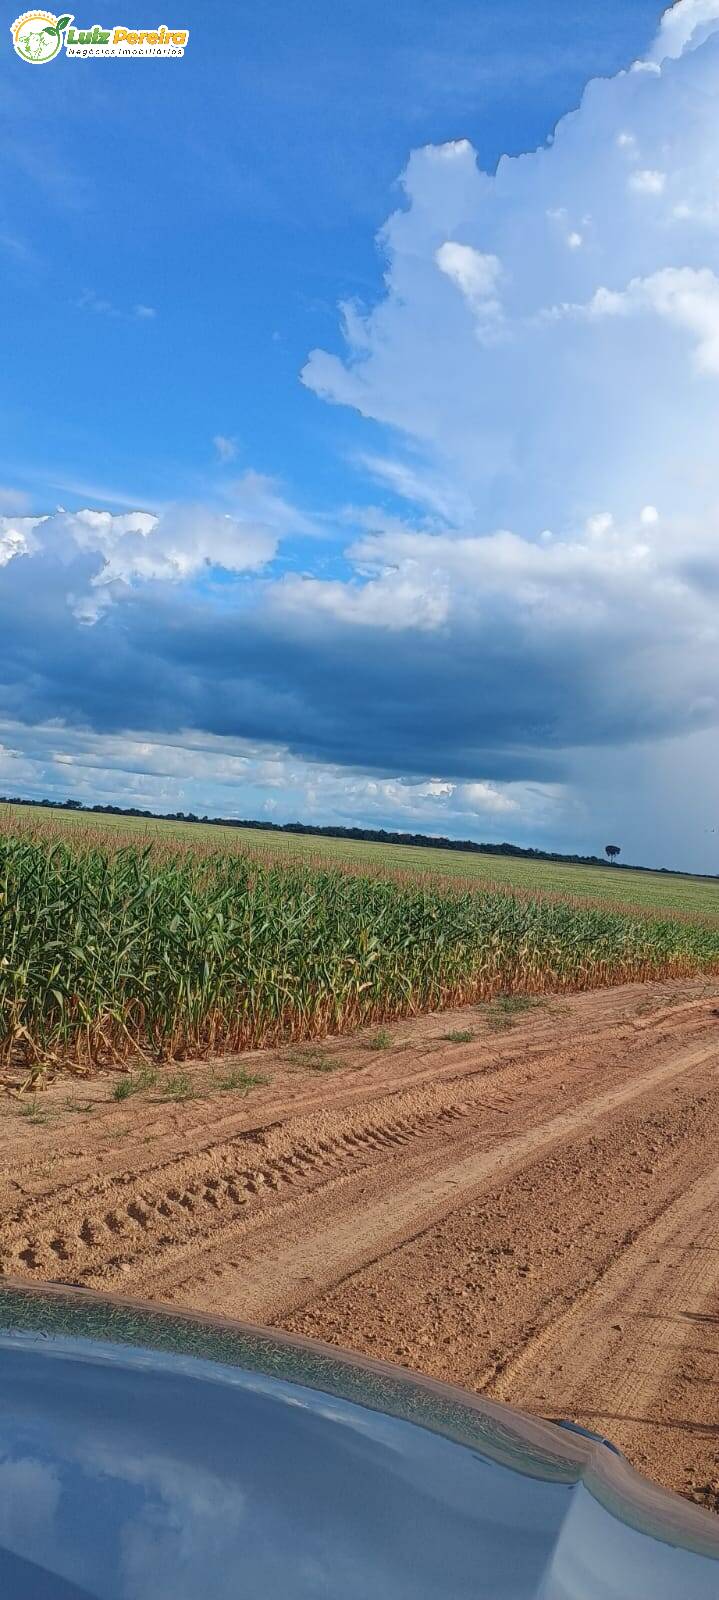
(652, 891)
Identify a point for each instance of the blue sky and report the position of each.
(238, 193)
(384, 498)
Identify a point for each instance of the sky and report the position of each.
(358, 431)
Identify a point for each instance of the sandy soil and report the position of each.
(530, 1213)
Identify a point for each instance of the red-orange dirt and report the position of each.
(530, 1212)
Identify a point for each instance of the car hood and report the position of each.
(145, 1454)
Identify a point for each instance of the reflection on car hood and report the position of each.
(145, 1455)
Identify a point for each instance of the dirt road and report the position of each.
(530, 1211)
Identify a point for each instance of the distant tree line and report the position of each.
(420, 841)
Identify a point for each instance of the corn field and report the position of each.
(107, 953)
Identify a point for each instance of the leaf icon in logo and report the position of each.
(56, 28)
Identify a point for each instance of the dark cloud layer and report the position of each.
(487, 698)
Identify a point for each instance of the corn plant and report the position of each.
(107, 954)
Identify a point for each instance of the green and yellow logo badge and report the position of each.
(38, 36)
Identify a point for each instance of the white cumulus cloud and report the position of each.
(684, 24)
(475, 275)
(647, 181)
(537, 420)
(685, 296)
(175, 546)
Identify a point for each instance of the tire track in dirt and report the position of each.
(329, 1246)
(150, 1225)
(574, 1032)
(620, 1360)
(199, 1195)
(507, 1294)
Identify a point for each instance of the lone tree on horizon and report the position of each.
(612, 850)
